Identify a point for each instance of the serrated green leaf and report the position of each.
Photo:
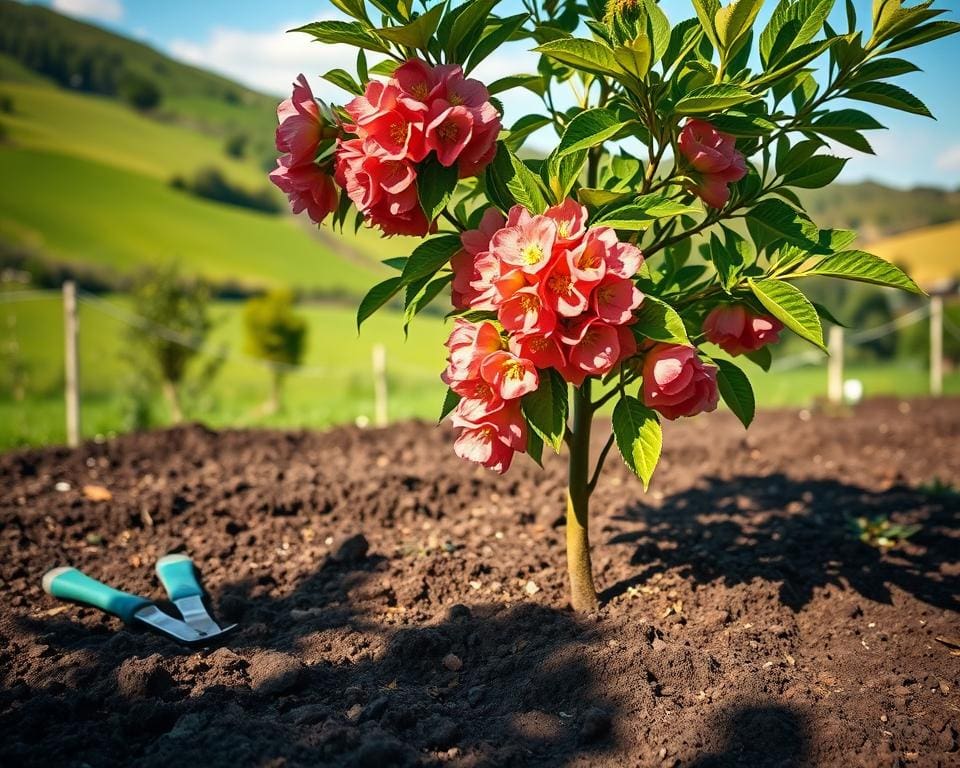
(736, 390)
(521, 129)
(450, 401)
(638, 215)
(772, 220)
(582, 54)
(924, 34)
(888, 95)
(467, 27)
(343, 79)
(639, 437)
(417, 33)
(863, 267)
(435, 186)
(817, 172)
(508, 181)
(657, 320)
(348, 32)
(790, 307)
(590, 129)
(429, 256)
(376, 297)
(496, 35)
(422, 296)
(713, 98)
(546, 408)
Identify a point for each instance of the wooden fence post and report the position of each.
(936, 345)
(71, 359)
(835, 365)
(380, 410)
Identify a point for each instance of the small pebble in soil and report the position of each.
(351, 549)
(596, 724)
(531, 588)
(452, 662)
(273, 672)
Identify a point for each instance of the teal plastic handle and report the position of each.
(71, 584)
(178, 577)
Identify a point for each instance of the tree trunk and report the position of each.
(173, 400)
(583, 594)
(275, 403)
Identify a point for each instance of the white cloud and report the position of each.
(101, 10)
(270, 61)
(949, 159)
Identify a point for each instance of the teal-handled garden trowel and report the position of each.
(178, 578)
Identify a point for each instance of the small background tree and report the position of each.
(176, 318)
(276, 333)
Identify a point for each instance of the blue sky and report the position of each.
(245, 39)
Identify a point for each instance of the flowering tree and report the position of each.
(598, 274)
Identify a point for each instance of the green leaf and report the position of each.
(422, 297)
(887, 95)
(509, 181)
(794, 23)
(659, 321)
(533, 83)
(790, 307)
(348, 32)
(435, 185)
(924, 34)
(450, 401)
(535, 447)
(772, 220)
(863, 267)
(843, 125)
(395, 262)
(635, 56)
(762, 357)
(546, 408)
(733, 24)
(587, 55)
(736, 390)
(562, 172)
(429, 256)
(707, 12)
(523, 128)
(589, 129)
(599, 197)
(343, 79)
(817, 172)
(641, 212)
(496, 35)
(639, 437)
(468, 27)
(713, 98)
(377, 296)
(418, 32)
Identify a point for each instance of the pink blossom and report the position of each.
(492, 440)
(594, 346)
(479, 400)
(713, 159)
(542, 351)
(562, 292)
(571, 218)
(736, 330)
(525, 312)
(676, 383)
(449, 130)
(528, 245)
(468, 344)
(510, 376)
(307, 187)
(299, 129)
(615, 298)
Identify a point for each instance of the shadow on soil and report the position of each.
(759, 735)
(798, 533)
(369, 695)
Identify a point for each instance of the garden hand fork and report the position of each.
(179, 578)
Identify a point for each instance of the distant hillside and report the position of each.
(877, 211)
(931, 255)
(89, 59)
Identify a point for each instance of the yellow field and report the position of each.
(930, 255)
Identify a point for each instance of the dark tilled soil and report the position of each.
(743, 622)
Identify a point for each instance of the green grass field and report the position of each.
(335, 387)
(86, 182)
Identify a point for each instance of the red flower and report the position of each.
(676, 383)
(713, 160)
(735, 330)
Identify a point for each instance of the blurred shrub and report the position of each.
(174, 328)
(211, 184)
(139, 92)
(236, 145)
(276, 333)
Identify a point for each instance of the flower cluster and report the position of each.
(713, 160)
(677, 383)
(563, 292)
(736, 330)
(490, 381)
(397, 125)
(307, 186)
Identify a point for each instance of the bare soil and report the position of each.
(398, 607)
